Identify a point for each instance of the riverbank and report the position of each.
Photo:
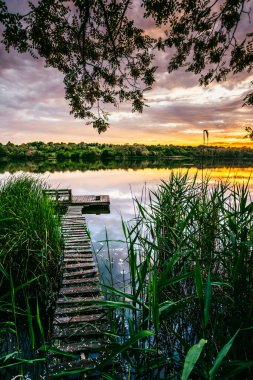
(39, 151)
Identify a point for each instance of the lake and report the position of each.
(122, 185)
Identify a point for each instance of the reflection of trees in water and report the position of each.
(69, 165)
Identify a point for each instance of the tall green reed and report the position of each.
(30, 249)
(190, 262)
(30, 238)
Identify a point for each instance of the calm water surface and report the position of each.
(121, 186)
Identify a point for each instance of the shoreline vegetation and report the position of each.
(186, 310)
(30, 258)
(39, 151)
(38, 157)
(189, 297)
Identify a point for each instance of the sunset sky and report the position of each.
(33, 108)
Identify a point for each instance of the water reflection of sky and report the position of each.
(120, 185)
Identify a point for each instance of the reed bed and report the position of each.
(187, 311)
(30, 249)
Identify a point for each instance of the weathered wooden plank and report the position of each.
(75, 251)
(80, 281)
(71, 227)
(74, 216)
(77, 255)
(86, 247)
(79, 265)
(77, 248)
(83, 273)
(79, 240)
(92, 346)
(78, 319)
(78, 259)
(76, 239)
(88, 363)
(74, 225)
(81, 331)
(77, 245)
(73, 230)
(80, 290)
(71, 216)
(84, 240)
(55, 368)
(73, 221)
(91, 309)
(78, 300)
(76, 235)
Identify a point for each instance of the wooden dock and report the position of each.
(64, 196)
(79, 321)
(91, 200)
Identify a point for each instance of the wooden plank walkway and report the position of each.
(79, 323)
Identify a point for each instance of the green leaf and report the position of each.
(107, 377)
(208, 295)
(164, 283)
(199, 284)
(15, 290)
(8, 356)
(128, 344)
(155, 307)
(115, 304)
(239, 367)
(153, 364)
(192, 357)
(223, 352)
(30, 323)
(170, 306)
(114, 291)
(39, 320)
(56, 351)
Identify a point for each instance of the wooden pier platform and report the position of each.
(64, 196)
(79, 322)
(90, 200)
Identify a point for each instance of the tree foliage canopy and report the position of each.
(107, 59)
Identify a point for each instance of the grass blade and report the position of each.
(191, 358)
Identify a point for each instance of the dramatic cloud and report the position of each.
(32, 105)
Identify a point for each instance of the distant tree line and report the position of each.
(40, 151)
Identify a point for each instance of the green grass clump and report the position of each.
(30, 238)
